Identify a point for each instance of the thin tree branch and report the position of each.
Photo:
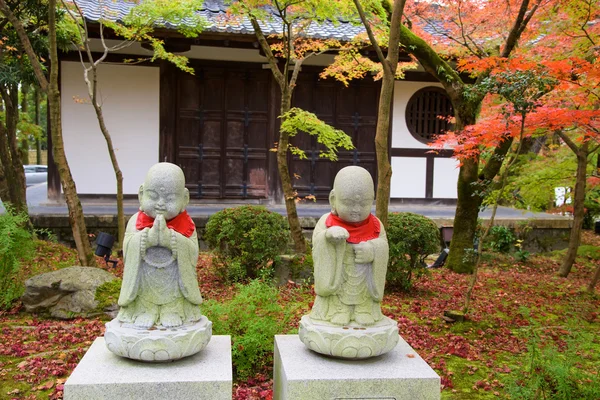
(568, 141)
(289, 49)
(465, 36)
(523, 18)
(363, 18)
(297, 67)
(279, 77)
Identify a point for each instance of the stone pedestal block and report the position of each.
(103, 375)
(301, 374)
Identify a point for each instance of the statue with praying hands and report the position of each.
(160, 317)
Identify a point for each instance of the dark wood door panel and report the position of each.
(222, 131)
(352, 109)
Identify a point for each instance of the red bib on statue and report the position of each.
(182, 223)
(359, 232)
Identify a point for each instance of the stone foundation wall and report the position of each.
(539, 235)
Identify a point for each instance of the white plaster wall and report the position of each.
(210, 53)
(445, 176)
(130, 97)
(408, 177)
(401, 137)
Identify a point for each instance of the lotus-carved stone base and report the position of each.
(157, 344)
(352, 341)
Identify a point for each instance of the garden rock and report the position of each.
(66, 293)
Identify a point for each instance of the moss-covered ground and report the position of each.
(529, 334)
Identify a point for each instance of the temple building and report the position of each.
(220, 123)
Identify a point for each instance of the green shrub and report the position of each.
(411, 237)
(501, 239)
(107, 294)
(16, 245)
(252, 318)
(246, 240)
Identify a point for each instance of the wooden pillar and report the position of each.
(167, 111)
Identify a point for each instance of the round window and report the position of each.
(428, 112)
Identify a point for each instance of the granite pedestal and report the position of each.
(103, 375)
(302, 374)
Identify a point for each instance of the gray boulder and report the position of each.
(66, 293)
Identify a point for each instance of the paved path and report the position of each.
(39, 204)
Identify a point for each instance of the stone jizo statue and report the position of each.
(350, 254)
(160, 285)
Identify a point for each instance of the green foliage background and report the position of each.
(252, 318)
(562, 369)
(16, 246)
(533, 179)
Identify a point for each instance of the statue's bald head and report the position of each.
(353, 194)
(164, 191)
(165, 172)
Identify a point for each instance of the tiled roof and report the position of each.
(214, 12)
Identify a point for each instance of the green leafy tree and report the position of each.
(50, 86)
(16, 72)
(286, 52)
(536, 176)
(389, 65)
(138, 26)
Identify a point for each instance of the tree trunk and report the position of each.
(4, 196)
(390, 65)
(84, 250)
(286, 86)
(594, 280)
(461, 257)
(115, 164)
(24, 143)
(286, 181)
(76, 219)
(9, 152)
(578, 211)
(384, 168)
(7, 179)
(38, 142)
(7, 171)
